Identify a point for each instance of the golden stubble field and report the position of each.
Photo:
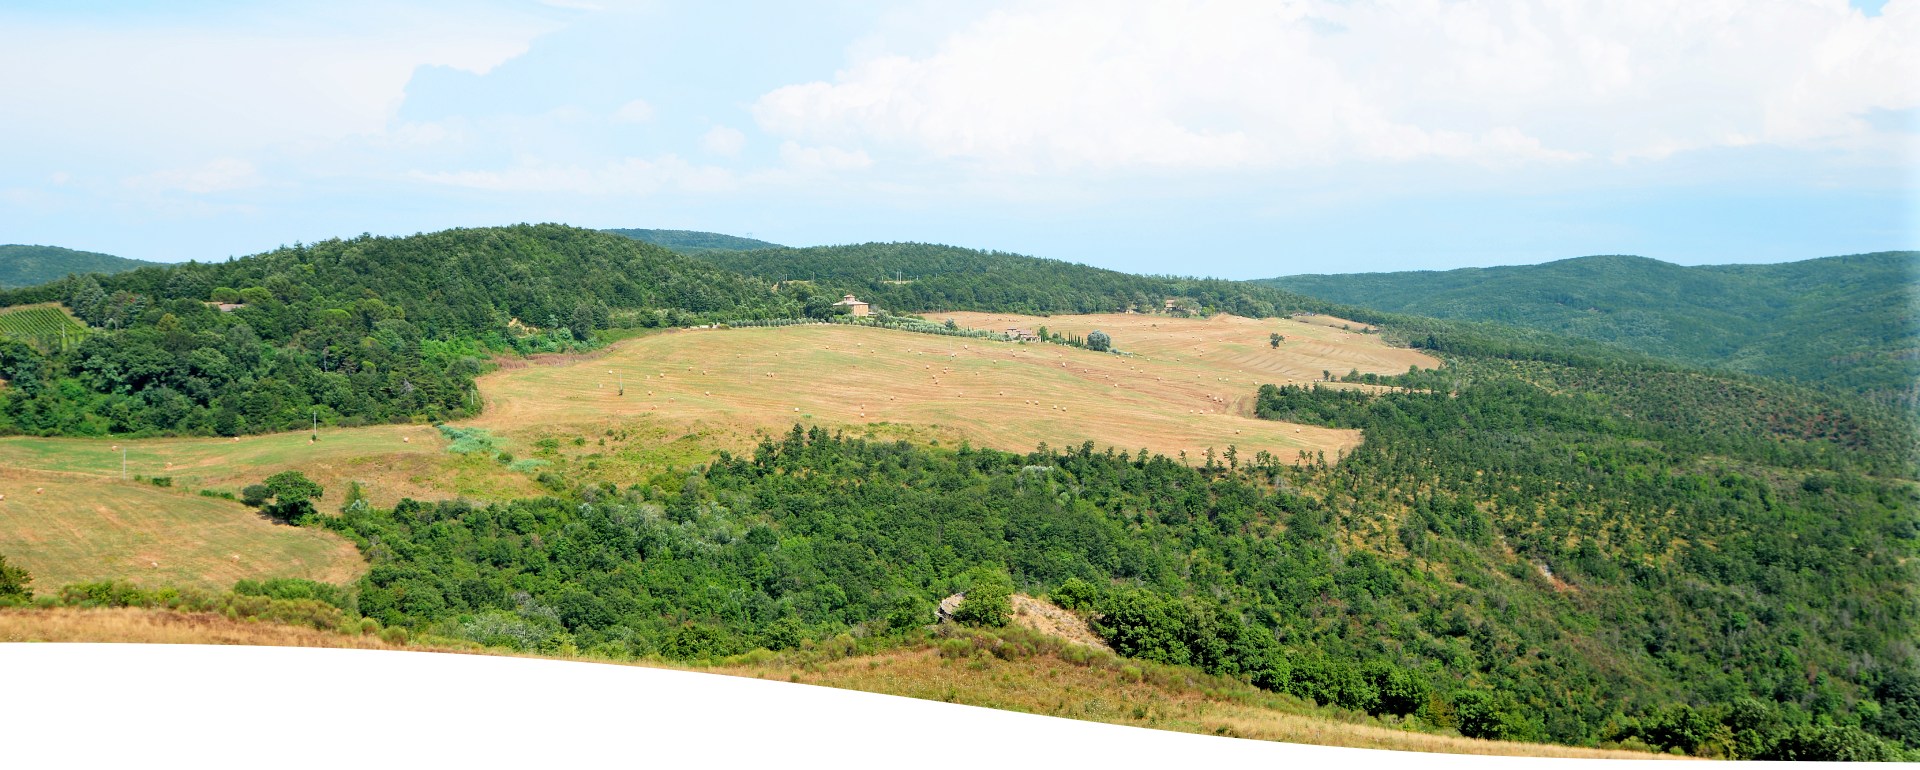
(65, 528)
(1189, 387)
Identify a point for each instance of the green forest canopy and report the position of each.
(694, 241)
(920, 277)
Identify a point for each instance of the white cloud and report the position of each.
(636, 111)
(723, 140)
(236, 83)
(220, 175)
(1200, 84)
(627, 176)
(822, 158)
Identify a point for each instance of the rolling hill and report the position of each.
(31, 265)
(693, 241)
(1850, 322)
(346, 331)
(1546, 538)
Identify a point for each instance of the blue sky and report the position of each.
(1239, 139)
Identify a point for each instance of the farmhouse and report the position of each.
(1022, 335)
(854, 306)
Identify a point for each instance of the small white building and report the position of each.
(854, 306)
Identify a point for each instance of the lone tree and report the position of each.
(1274, 340)
(15, 583)
(291, 493)
(989, 599)
(1099, 341)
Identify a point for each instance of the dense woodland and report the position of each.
(693, 241)
(345, 331)
(1849, 323)
(1547, 539)
(917, 277)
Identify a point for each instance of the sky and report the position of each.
(1194, 137)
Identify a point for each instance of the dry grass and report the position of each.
(1093, 688)
(78, 529)
(128, 625)
(1190, 389)
(390, 461)
(1055, 687)
(1234, 349)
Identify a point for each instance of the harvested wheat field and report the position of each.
(1181, 394)
(1234, 349)
(1092, 686)
(389, 461)
(69, 529)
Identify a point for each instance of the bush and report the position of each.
(1832, 743)
(1078, 595)
(1481, 716)
(15, 583)
(989, 599)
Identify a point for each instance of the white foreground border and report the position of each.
(149, 706)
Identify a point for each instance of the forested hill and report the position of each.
(1846, 322)
(918, 277)
(368, 329)
(30, 265)
(694, 241)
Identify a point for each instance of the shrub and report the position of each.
(1832, 743)
(1076, 594)
(15, 583)
(989, 599)
(1481, 716)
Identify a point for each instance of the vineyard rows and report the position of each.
(43, 326)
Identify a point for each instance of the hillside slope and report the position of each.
(918, 277)
(345, 331)
(22, 265)
(1849, 322)
(693, 241)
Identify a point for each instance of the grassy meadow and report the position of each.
(68, 529)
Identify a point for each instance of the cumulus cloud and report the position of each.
(723, 140)
(804, 158)
(1214, 84)
(636, 111)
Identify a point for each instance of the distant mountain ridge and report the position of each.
(923, 277)
(694, 241)
(1849, 322)
(23, 265)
